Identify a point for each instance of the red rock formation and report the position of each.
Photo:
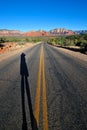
(70, 32)
(57, 31)
(37, 33)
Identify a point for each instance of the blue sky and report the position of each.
(26, 15)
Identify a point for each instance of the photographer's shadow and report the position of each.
(25, 88)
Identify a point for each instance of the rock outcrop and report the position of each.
(5, 32)
(61, 31)
(37, 33)
(53, 32)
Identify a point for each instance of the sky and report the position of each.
(26, 15)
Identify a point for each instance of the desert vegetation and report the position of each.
(22, 39)
(68, 41)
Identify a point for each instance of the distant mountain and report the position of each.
(6, 32)
(53, 32)
(37, 33)
(61, 31)
(81, 31)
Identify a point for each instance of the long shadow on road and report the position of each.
(25, 87)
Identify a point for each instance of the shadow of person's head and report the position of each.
(23, 66)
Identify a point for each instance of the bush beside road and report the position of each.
(74, 42)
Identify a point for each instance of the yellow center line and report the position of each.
(45, 119)
(37, 99)
(41, 72)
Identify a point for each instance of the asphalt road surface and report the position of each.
(43, 89)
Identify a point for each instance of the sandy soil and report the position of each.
(11, 49)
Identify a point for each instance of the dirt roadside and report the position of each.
(12, 50)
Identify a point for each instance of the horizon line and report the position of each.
(31, 30)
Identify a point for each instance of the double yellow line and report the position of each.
(41, 77)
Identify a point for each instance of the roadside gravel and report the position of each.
(13, 51)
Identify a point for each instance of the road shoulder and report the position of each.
(15, 51)
(78, 55)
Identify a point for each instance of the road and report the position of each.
(43, 88)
